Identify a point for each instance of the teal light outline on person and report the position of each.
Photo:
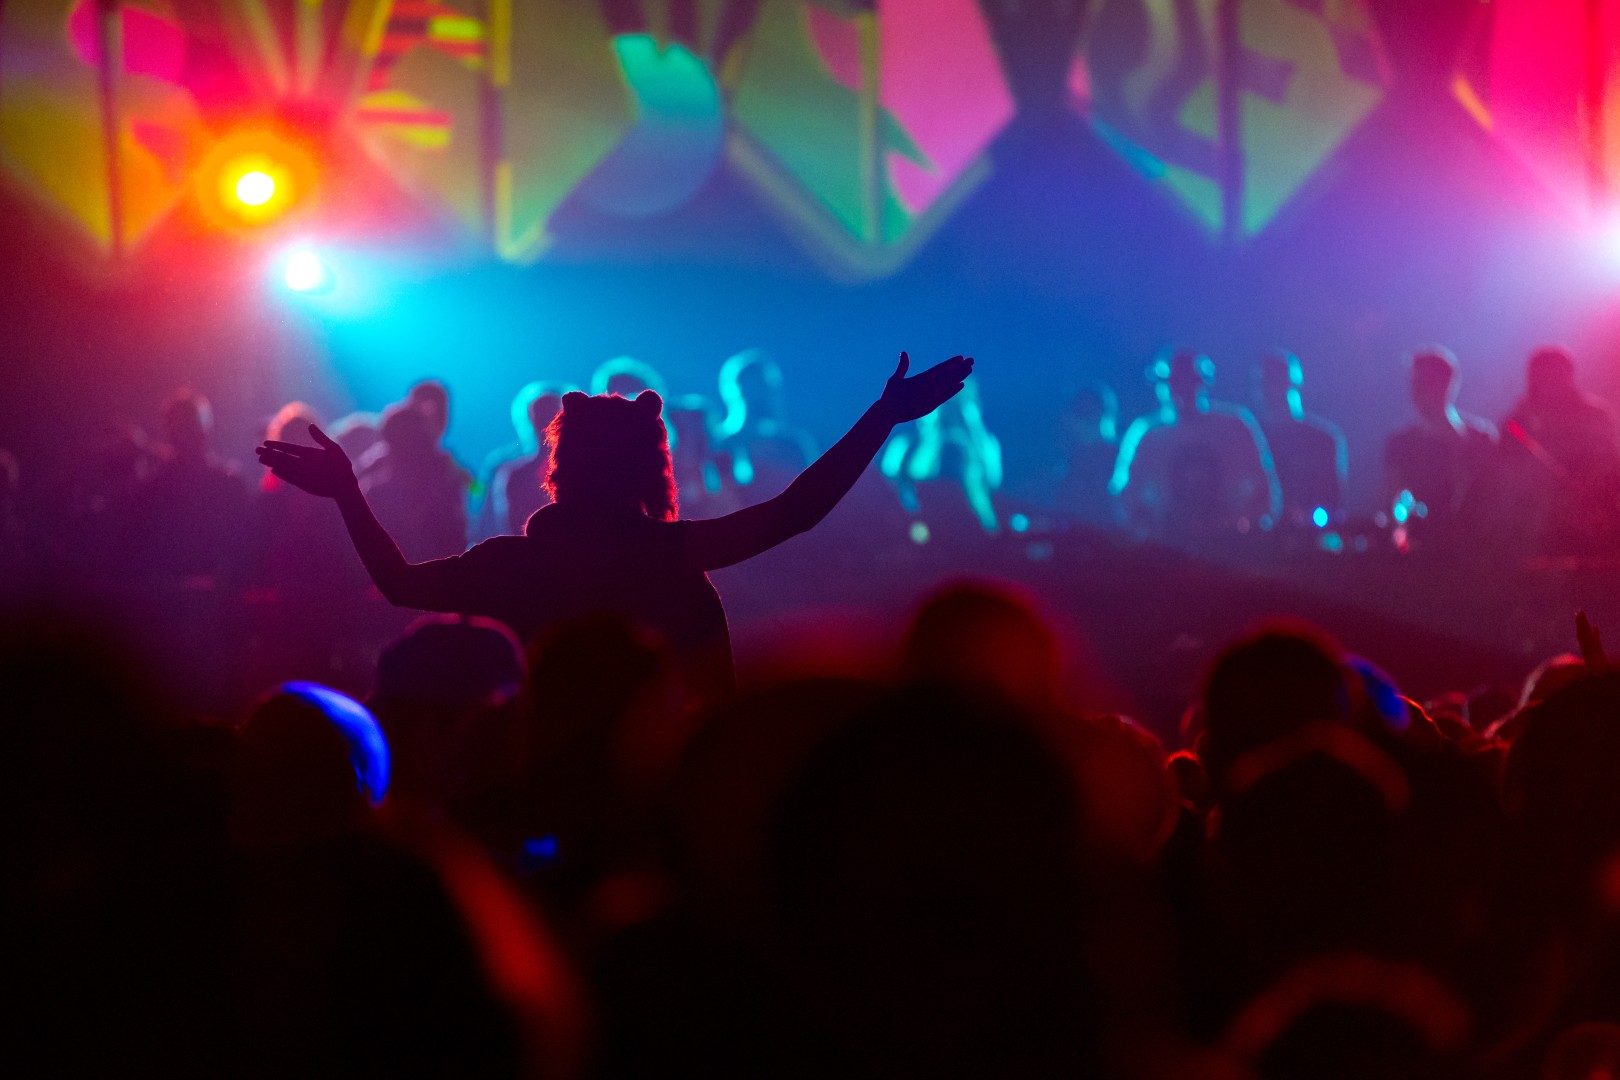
(646, 376)
(523, 406)
(732, 431)
(909, 460)
(697, 405)
(1286, 364)
(1159, 373)
(1194, 373)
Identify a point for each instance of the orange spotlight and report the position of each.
(254, 177)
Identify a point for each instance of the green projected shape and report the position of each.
(1336, 77)
(1308, 73)
(566, 104)
(864, 125)
(678, 138)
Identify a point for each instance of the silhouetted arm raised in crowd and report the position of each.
(718, 542)
(325, 470)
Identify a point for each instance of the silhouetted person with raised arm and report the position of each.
(610, 541)
(1309, 453)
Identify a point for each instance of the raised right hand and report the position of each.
(908, 399)
(322, 470)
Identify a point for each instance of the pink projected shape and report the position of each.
(938, 75)
(941, 78)
(1536, 90)
(839, 43)
(153, 45)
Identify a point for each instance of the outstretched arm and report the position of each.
(719, 542)
(325, 470)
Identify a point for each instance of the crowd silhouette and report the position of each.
(550, 833)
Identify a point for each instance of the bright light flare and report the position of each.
(255, 188)
(255, 177)
(1611, 239)
(304, 272)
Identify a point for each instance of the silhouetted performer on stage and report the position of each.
(765, 450)
(1431, 466)
(1090, 447)
(1562, 448)
(702, 474)
(610, 541)
(948, 469)
(1308, 452)
(1196, 467)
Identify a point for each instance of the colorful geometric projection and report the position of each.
(865, 124)
(1229, 116)
(862, 123)
(55, 142)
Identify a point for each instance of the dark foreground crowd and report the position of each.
(538, 861)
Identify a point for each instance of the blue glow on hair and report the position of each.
(368, 749)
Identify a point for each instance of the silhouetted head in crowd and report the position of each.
(532, 411)
(751, 388)
(451, 662)
(1307, 828)
(309, 764)
(693, 420)
(1559, 789)
(439, 688)
(986, 635)
(291, 423)
(1549, 378)
(1551, 676)
(408, 435)
(612, 453)
(1352, 1017)
(432, 399)
(1182, 380)
(1267, 685)
(928, 881)
(1091, 415)
(1278, 378)
(188, 420)
(357, 433)
(1434, 384)
(627, 377)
